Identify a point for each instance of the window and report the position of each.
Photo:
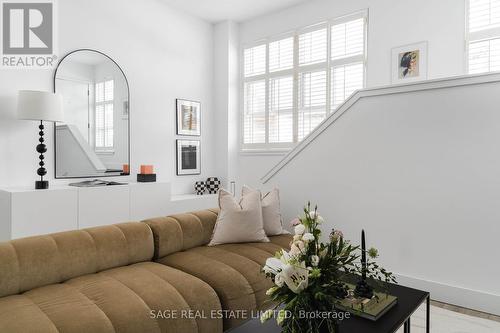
(483, 36)
(292, 82)
(104, 101)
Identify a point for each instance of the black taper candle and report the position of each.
(363, 255)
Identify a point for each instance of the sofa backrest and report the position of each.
(181, 232)
(42, 260)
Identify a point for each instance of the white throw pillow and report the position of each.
(271, 213)
(239, 222)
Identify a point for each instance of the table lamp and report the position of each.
(41, 106)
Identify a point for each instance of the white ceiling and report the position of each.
(88, 58)
(235, 10)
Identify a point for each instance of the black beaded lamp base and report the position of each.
(41, 184)
(41, 148)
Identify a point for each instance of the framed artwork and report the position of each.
(188, 157)
(188, 117)
(409, 63)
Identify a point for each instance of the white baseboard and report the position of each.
(467, 298)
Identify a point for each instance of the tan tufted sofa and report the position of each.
(119, 278)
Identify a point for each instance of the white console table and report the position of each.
(27, 212)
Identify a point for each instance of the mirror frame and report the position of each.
(129, 107)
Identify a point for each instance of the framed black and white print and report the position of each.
(188, 117)
(188, 157)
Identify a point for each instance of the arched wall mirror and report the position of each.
(94, 140)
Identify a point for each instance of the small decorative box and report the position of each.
(146, 178)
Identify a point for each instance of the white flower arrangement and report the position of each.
(311, 270)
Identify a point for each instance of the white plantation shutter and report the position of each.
(484, 56)
(254, 126)
(281, 109)
(348, 39)
(104, 115)
(255, 60)
(281, 54)
(312, 83)
(291, 84)
(108, 125)
(483, 36)
(312, 101)
(484, 14)
(348, 57)
(99, 126)
(346, 79)
(312, 47)
(109, 90)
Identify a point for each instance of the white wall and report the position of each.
(419, 172)
(164, 53)
(392, 23)
(226, 90)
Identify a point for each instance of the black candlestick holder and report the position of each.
(363, 289)
(41, 148)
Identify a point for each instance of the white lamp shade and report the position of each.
(39, 105)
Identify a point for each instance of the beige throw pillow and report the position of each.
(271, 213)
(239, 222)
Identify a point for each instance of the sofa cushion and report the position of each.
(42, 260)
(239, 221)
(122, 299)
(231, 284)
(233, 270)
(259, 252)
(271, 211)
(181, 232)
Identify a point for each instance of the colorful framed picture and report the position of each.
(188, 157)
(188, 117)
(409, 63)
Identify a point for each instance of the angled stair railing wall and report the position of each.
(418, 167)
(373, 92)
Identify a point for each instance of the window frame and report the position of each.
(268, 148)
(476, 36)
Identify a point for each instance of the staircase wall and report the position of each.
(419, 169)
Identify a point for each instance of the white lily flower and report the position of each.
(300, 229)
(273, 266)
(315, 260)
(285, 257)
(279, 280)
(296, 277)
(308, 237)
(320, 219)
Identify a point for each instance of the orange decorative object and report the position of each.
(147, 169)
(126, 168)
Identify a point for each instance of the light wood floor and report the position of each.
(447, 318)
(466, 311)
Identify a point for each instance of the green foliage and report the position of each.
(329, 266)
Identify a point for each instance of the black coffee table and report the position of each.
(409, 300)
